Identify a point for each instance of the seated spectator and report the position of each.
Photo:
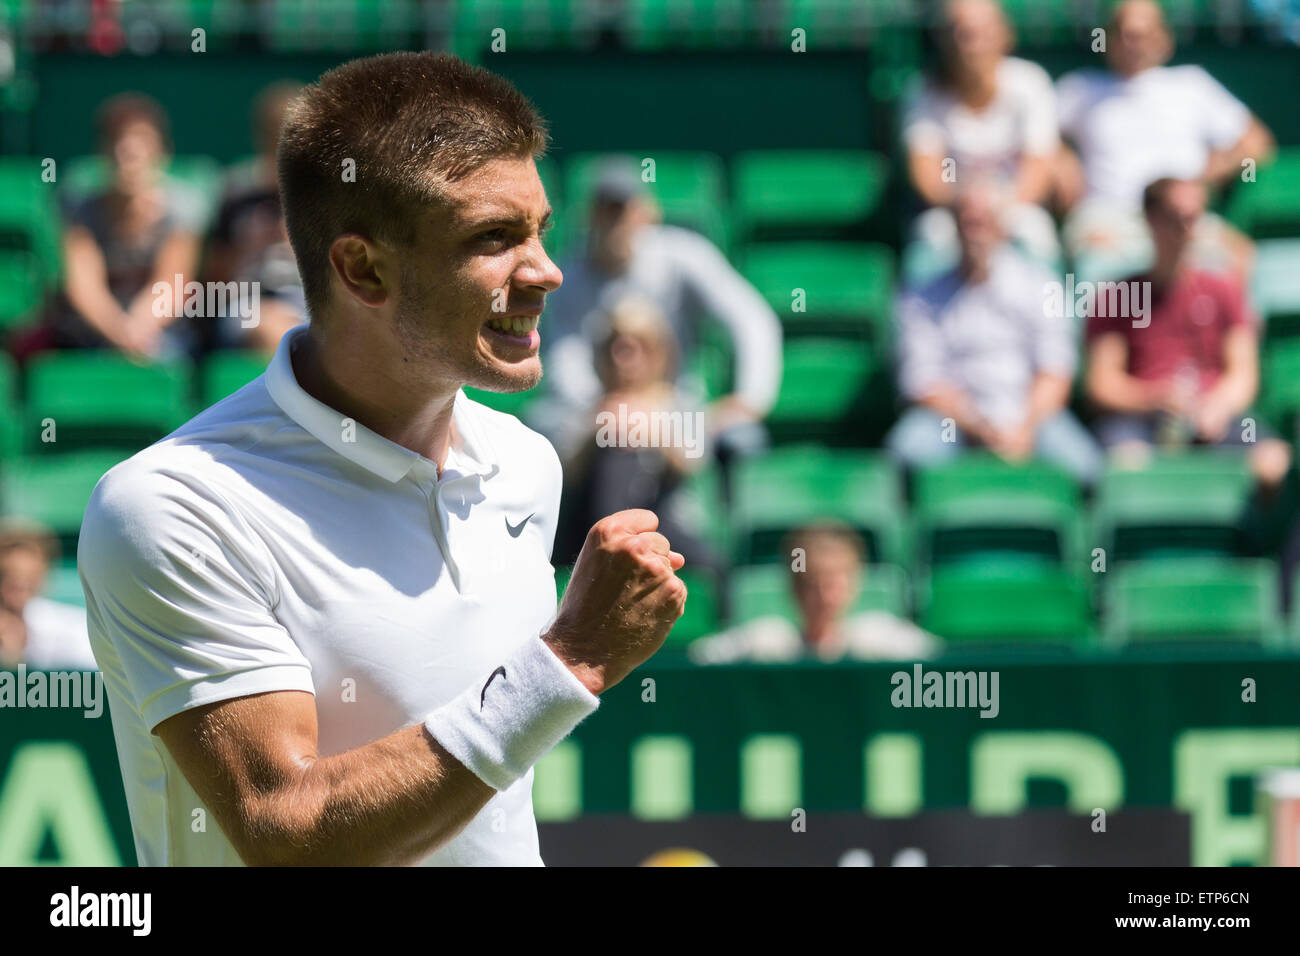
(984, 115)
(1140, 121)
(142, 230)
(983, 361)
(610, 467)
(629, 252)
(829, 630)
(1186, 370)
(34, 630)
(249, 242)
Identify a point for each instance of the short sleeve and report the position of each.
(921, 350)
(1041, 136)
(1071, 100)
(1225, 117)
(923, 130)
(178, 592)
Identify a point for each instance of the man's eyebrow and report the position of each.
(499, 217)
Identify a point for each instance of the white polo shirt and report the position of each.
(269, 544)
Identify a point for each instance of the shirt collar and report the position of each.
(370, 450)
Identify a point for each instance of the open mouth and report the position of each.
(519, 330)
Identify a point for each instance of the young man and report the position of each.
(324, 608)
(1188, 370)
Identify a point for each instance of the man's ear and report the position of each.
(362, 266)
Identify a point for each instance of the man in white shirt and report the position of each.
(324, 608)
(1140, 121)
(828, 629)
(984, 116)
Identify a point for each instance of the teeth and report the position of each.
(514, 325)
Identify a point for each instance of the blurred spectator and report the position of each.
(829, 630)
(35, 630)
(609, 468)
(249, 242)
(1140, 121)
(988, 116)
(983, 359)
(142, 230)
(629, 252)
(1191, 374)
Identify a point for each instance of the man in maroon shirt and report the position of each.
(1187, 370)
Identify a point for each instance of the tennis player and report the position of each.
(324, 607)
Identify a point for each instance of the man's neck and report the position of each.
(364, 381)
(1166, 270)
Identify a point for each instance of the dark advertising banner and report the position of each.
(937, 838)
(872, 747)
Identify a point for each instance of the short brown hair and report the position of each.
(1156, 193)
(408, 121)
(22, 535)
(825, 531)
(118, 112)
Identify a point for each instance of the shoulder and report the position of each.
(1083, 84)
(680, 243)
(184, 479)
(1024, 76)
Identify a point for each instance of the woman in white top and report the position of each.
(983, 116)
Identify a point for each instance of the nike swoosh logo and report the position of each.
(516, 529)
(491, 677)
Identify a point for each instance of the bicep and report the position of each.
(239, 754)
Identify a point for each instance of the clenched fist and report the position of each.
(622, 600)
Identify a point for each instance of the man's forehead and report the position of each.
(502, 188)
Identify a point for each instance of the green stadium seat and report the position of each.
(1186, 504)
(839, 24)
(528, 24)
(1269, 208)
(1195, 600)
(101, 399)
(820, 190)
(765, 590)
(991, 604)
(1276, 286)
(22, 290)
(63, 583)
(796, 485)
(1280, 383)
(689, 24)
(978, 507)
(824, 386)
(226, 372)
(54, 489)
(10, 421)
(700, 616)
(29, 223)
(689, 186)
(847, 287)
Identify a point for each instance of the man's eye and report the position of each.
(494, 235)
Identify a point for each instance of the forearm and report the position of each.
(1034, 184)
(1234, 391)
(952, 403)
(1120, 392)
(1047, 396)
(96, 306)
(391, 802)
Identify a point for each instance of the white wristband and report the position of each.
(503, 724)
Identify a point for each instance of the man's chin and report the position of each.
(516, 377)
